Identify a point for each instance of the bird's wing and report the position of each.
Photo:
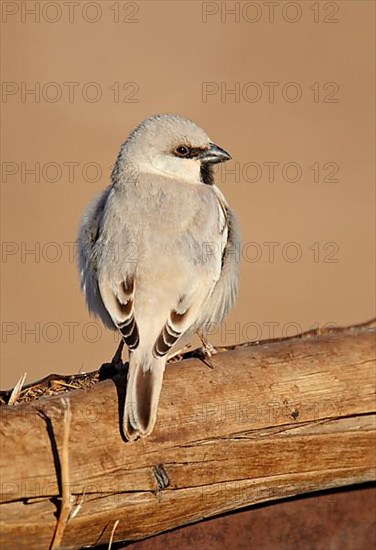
(118, 297)
(89, 234)
(106, 277)
(223, 295)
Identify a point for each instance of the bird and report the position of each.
(159, 253)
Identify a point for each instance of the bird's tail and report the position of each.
(143, 390)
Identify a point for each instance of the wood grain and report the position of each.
(271, 420)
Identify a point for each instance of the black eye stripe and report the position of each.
(192, 152)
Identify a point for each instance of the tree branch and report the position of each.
(271, 420)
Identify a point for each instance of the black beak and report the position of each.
(214, 155)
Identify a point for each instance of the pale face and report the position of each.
(182, 160)
(173, 147)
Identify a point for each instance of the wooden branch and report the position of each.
(270, 421)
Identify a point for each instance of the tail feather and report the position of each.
(142, 397)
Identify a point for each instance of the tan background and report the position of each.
(169, 53)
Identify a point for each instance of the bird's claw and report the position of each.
(200, 354)
(206, 352)
(116, 366)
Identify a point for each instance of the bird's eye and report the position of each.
(182, 151)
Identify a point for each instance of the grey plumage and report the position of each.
(159, 253)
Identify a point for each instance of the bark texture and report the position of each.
(271, 420)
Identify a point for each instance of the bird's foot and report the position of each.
(110, 370)
(206, 353)
(116, 366)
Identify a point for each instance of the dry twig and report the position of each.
(17, 390)
(112, 534)
(66, 500)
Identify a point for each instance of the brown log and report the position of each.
(272, 420)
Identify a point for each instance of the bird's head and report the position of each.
(175, 147)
